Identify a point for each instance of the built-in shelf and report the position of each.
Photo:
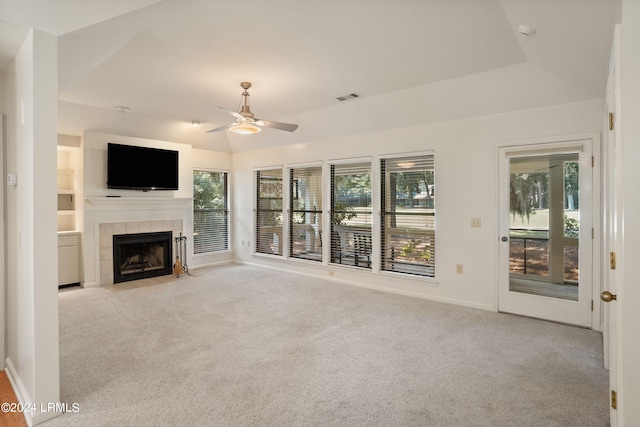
(68, 162)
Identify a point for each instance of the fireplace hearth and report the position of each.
(142, 255)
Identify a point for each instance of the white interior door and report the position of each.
(612, 222)
(546, 230)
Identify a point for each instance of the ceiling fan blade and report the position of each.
(222, 127)
(276, 125)
(233, 113)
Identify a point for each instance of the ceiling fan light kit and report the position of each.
(245, 127)
(246, 124)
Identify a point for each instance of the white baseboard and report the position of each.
(463, 303)
(211, 264)
(32, 418)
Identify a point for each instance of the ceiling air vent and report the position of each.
(347, 97)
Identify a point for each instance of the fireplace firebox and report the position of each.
(142, 255)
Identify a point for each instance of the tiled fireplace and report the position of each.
(105, 217)
(109, 232)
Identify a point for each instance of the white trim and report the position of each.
(407, 154)
(586, 145)
(230, 235)
(486, 307)
(211, 264)
(116, 203)
(3, 254)
(315, 164)
(542, 150)
(267, 168)
(351, 160)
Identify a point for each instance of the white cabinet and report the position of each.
(69, 266)
(69, 212)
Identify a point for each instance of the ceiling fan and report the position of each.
(246, 123)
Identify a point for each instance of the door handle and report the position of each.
(504, 238)
(607, 296)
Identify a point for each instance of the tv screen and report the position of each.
(141, 168)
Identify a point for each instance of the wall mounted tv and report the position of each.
(141, 168)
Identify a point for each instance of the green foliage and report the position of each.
(412, 250)
(571, 227)
(208, 190)
(342, 212)
(527, 193)
(409, 247)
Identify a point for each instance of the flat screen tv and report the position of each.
(141, 168)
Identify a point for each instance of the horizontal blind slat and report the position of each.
(210, 214)
(408, 243)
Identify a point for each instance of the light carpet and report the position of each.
(243, 346)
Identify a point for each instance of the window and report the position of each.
(351, 214)
(269, 211)
(408, 215)
(305, 213)
(210, 211)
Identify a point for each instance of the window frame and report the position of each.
(256, 203)
(290, 211)
(381, 210)
(227, 211)
(368, 261)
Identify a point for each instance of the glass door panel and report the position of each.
(544, 225)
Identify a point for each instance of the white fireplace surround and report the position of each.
(105, 217)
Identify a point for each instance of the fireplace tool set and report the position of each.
(181, 250)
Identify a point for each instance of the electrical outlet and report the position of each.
(476, 222)
(459, 269)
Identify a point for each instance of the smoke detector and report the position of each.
(526, 31)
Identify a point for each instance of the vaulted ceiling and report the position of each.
(411, 62)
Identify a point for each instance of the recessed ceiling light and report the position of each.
(195, 123)
(526, 31)
(122, 109)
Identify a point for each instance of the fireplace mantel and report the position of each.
(132, 203)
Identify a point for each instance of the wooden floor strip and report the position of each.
(9, 419)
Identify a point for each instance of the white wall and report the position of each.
(95, 165)
(466, 176)
(32, 303)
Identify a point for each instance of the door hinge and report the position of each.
(591, 305)
(593, 233)
(593, 161)
(611, 121)
(612, 260)
(614, 399)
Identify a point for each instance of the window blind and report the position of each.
(305, 213)
(210, 211)
(408, 242)
(351, 214)
(268, 212)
